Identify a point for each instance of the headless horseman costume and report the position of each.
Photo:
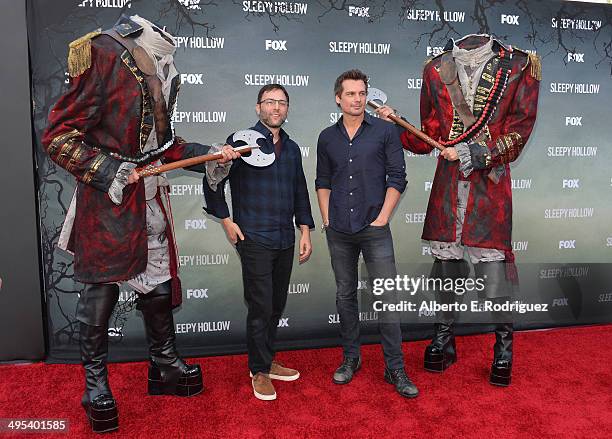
(116, 115)
(480, 97)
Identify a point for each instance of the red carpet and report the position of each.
(562, 387)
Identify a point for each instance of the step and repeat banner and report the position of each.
(562, 182)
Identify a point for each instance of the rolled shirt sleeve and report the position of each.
(395, 165)
(303, 212)
(323, 179)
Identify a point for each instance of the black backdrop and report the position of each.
(21, 324)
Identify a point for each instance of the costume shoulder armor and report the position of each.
(534, 63)
(126, 27)
(79, 54)
(434, 58)
(448, 47)
(499, 44)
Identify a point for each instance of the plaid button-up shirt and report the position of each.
(266, 201)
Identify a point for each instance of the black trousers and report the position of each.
(265, 276)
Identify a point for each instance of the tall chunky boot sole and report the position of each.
(438, 362)
(500, 376)
(186, 386)
(102, 421)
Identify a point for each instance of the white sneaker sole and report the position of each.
(264, 397)
(280, 377)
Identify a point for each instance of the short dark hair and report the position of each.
(270, 87)
(354, 74)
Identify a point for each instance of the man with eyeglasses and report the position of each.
(265, 201)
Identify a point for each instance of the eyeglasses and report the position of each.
(273, 102)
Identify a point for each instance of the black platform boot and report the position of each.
(93, 311)
(499, 291)
(441, 353)
(168, 373)
(501, 369)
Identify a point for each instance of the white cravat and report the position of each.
(159, 50)
(476, 59)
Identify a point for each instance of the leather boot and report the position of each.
(403, 385)
(168, 373)
(94, 308)
(499, 291)
(349, 367)
(501, 369)
(441, 353)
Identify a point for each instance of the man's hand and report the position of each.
(384, 112)
(232, 230)
(305, 245)
(380, 221)
(228, 154)
(450, 154)
(133, 177)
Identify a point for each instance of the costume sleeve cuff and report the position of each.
(465, 159)
(115, 191)
(481, 156)
(215, 171)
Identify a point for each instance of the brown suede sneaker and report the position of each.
(263, 388)
(281, 373)
(278, 372)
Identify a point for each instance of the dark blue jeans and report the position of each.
(376, 244)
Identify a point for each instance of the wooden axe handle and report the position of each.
(155, 170)
(401, 122)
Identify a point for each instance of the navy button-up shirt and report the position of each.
(358, 171)
(265, 200)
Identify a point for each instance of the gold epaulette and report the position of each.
(534, 63)
(79, 54)
(536, 66)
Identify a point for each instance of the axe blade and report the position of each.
(377, 95)
(257, 157)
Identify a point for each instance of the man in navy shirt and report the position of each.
(360, 177)
(266, 201)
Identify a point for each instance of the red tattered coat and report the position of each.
(488, 220)
(108, 109)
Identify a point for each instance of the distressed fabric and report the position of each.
(115, 191)
(108, 109)
(455, 250)
(470, 64)
(159, 50)
(158, 260)
(488, 216)
(215, 171)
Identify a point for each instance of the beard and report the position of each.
(268, 121)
